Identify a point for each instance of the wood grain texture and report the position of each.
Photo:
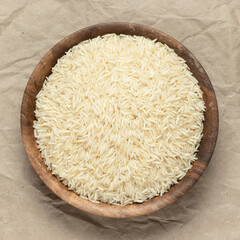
(43, 69)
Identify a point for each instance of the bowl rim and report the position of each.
(206, 148)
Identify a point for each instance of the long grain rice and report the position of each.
(120, 119)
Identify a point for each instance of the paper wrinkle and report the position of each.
(210, 30)
(19, 183)
(10, 19)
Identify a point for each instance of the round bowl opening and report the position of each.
(206, 148)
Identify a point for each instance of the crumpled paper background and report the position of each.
(210, 29)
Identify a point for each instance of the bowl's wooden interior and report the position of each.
(206, 148)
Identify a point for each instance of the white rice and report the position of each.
(120, 119)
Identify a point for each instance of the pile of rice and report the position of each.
(120, 119)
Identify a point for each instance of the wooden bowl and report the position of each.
(43, 69)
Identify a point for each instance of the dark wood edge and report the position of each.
(177, 191)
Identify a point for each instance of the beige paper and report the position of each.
(210, 29)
